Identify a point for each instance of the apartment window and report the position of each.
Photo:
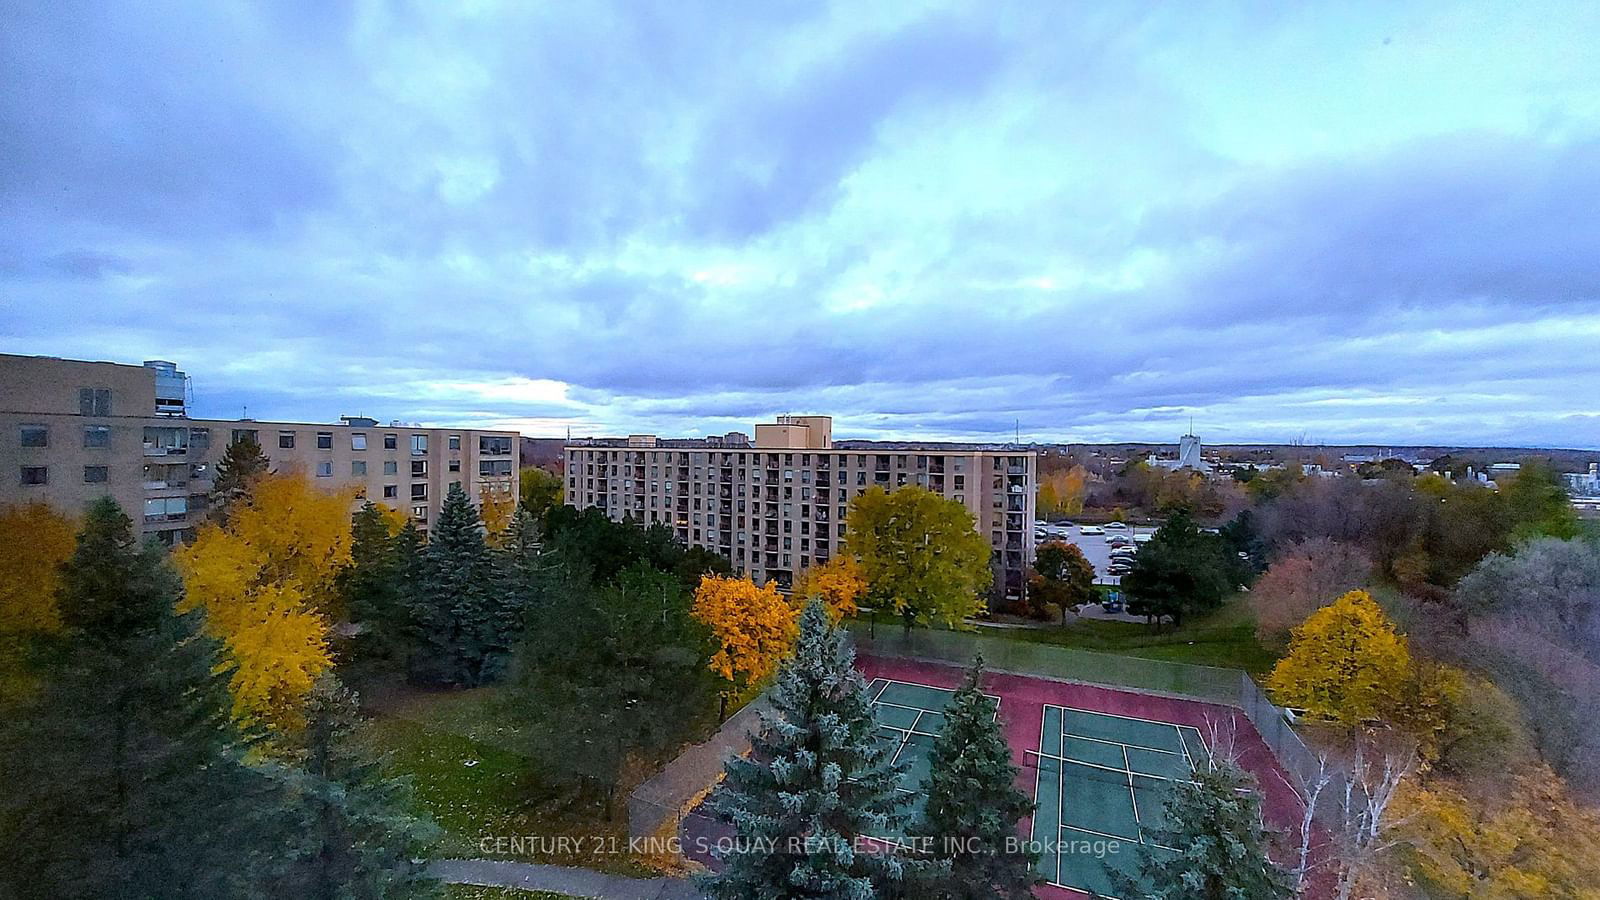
(420, 513)
(502, 467)
(419, 468)
(455, 442)
(200, 438)
(359, 467)
(325, 469)
(419, 445)
(95, 474)
(324, 440)
(455, 465)
(96, 437)
(494, 446)
(455, 485)
(244, 434)
(161, 508)
(419, 491)
(94, 401)
(34, 475)
(391, 491)
(391, 441)
(390, 467)
(35, 436)
(358, 441)
(285, 440)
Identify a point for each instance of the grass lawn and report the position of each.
(1226, 637)
(469, 778)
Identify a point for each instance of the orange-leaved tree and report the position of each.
(1346, 662)
(754, 627)
(37, 540)
(266, 583)
(839, 582)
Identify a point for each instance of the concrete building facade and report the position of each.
(777, 505)
(75, 431)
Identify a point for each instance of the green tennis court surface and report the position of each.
(1104, 778)
(909, 716)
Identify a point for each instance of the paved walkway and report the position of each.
(567, 880)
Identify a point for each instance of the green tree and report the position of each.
(921, 553)
(355, 839)
(1537, 504)
(1062, 576)
(540, 491)
(371, 590)
(610, 672)
(519, 553)
(1214, 825)
(1180, 571)
(122, 768)
(698, 562)
(465, 624)
(973, 805)
(817, 779)
(241, 464)
(1249, 551)
(592, 543)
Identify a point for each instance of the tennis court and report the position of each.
(909, 716)
(1103, 781)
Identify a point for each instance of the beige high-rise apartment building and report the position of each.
(778, 505)
(72, 431)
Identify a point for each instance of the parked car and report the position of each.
(1091, 529)
(1123, 553)
(1117, 525)
(1119, 569)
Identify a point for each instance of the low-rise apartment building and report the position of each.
(777, 505)
(75, 431)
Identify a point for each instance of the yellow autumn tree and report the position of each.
(754, 627)
(1531, 840)
(37, 540)
(266, 583)
(1061, 491)
(496, 508)
(1346, 662)
(839, 582)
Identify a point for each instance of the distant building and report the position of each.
(1189, 457)
(778, 505)
(1584, 484)
(73, 431)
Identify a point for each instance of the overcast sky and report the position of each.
(1350, 222)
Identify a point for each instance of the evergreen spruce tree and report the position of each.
(122, 769)
(1215, 825)
(464, 620)
(817, 780)
(969, 821)
(519, 554)
(242, 463)
(356, 841)
(371, 591)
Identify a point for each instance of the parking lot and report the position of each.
(1096, 547)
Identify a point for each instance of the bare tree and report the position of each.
(1356, 817)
